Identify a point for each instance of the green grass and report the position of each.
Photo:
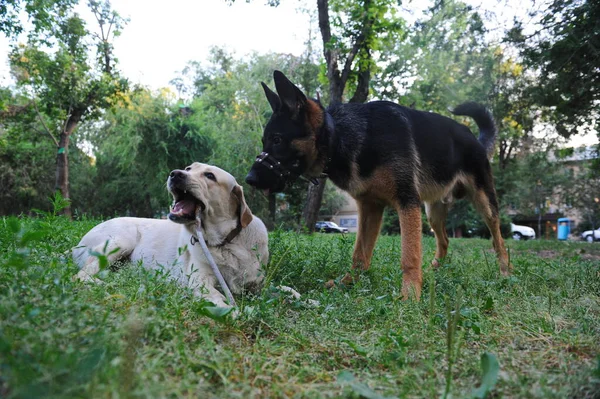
(138, 335)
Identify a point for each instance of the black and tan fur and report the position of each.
(384, 154)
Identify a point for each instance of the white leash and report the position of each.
(212, 263)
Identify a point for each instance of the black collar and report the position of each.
(232, 234)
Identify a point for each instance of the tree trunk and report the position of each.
(62, 163)
(337, 83)
(310, 213)
(62, 171)
(362, 89)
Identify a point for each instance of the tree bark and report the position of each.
(62, 163)
(314, 199)
(362, 89)
(62, 171)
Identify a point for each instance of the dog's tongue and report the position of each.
(184, 207)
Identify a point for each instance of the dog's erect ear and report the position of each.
(245, 214)
(292, 98)
(272, 97)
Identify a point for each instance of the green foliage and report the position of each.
(28, 163)
(565, 51)
(136, 147)
(583, 193)
(534, 180)
(449, 60)
(364, 30)
(41, 14)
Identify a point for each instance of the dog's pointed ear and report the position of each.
(244, 211)
(292, 98)
(272, 97)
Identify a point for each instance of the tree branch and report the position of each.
(44, 124)
(331, 56)
(350, 59)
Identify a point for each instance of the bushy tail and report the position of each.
(485, 122)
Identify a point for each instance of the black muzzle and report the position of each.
(274, 165)
(279, 170)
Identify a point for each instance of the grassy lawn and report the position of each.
(137, 335)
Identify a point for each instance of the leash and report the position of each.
(211, 261)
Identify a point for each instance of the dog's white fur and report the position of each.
(166, 245)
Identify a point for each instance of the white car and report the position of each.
(591, 235)
(521, 232)
(329, 227)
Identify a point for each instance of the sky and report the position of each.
(161, 37)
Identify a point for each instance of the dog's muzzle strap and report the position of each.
(268, 161)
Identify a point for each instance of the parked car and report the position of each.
(591, 235)
(519, 232)
(329, 227)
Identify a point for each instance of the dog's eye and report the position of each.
(210, 176)
(277, 140)
(188, 168)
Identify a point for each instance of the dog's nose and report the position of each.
(176, 174)
(252, 179)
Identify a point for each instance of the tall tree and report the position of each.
(565, 48)
(67, 84)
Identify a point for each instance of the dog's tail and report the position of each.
(485, 122)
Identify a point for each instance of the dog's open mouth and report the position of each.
(185, 206)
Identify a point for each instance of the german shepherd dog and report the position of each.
(383, 154)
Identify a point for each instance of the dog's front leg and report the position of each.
(410, 230)
(370, 215)
(203, 286)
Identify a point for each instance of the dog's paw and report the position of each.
(86, 278)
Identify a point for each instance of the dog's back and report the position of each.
(420, 146)
(152, 241)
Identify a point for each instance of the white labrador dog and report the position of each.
(237, 240)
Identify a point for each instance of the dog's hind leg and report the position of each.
(487, 205)
(370, 215)
(436, 214)
(113, 250)
(410, 231)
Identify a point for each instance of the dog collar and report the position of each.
(232, 234)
